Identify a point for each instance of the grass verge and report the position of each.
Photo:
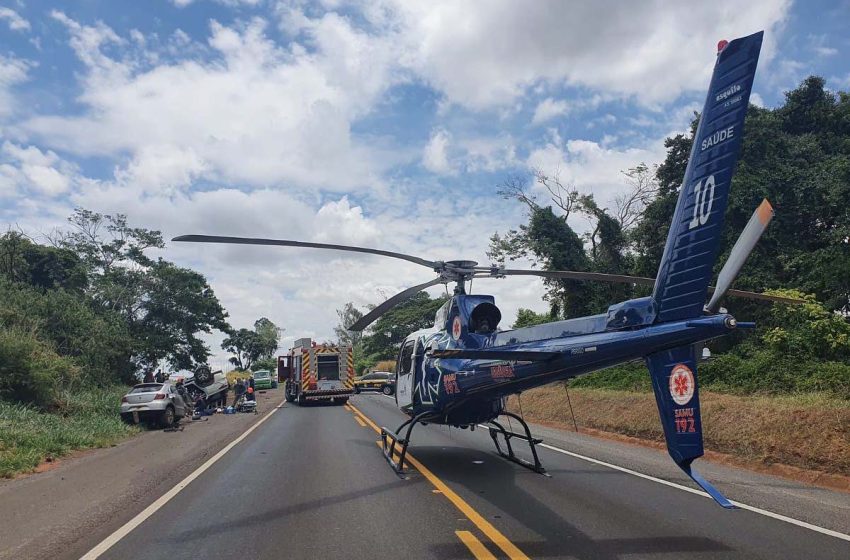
(810, 431)
(84, 419)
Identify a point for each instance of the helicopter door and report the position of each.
(404, 369)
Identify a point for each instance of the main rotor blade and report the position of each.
(623, 279)
(742, 249)
(576, 275)
(287, 243)
(382, 308)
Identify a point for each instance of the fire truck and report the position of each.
(317, 372)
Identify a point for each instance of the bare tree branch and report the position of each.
(644, 188)
(515, 187)
(565, 197)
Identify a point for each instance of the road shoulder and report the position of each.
(93, 494)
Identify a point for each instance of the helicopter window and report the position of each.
(485, 318)
(405, 358)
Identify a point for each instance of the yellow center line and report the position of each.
(361, 422)
(477, 519)
(475, 546)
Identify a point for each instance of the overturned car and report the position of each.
(167, 402)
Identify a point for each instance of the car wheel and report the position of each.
(203, 376)
(287, 395)
(341, 401)
(167, 418)
(127, 417)
(387, 390)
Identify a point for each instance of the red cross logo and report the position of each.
(681, 384)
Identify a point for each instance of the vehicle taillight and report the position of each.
(124, 399)
(159, 396)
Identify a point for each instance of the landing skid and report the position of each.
(394, 445)
(496, 428)
(389, 441)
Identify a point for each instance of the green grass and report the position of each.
(84, 419)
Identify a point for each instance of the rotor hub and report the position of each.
(462, 264)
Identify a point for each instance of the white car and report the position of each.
(154, 403)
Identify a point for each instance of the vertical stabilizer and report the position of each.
(674, 381)
(693, 241)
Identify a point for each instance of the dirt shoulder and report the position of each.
(785, 436)
(96, 491)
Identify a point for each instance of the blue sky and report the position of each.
(377, 123)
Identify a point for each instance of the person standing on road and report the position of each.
(238, 391)
(250, 390)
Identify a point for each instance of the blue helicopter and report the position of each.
(460, 371)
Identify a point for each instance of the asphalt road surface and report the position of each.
(311, 483)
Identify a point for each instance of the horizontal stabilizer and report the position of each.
(505, 355)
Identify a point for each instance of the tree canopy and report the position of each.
(91, 305)
(389, 331)
(251, 346)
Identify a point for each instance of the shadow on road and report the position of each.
(495, 480)
(232, 525)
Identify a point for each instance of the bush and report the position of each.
(626, 377)
(98, 341)
(761, 371)
(769, 373)
(269, 364)
(31, 371)
(384, 365)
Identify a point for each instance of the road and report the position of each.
(312, 483)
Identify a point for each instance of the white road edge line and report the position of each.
(125, 529)
(741, 505)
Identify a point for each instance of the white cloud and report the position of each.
(31, 169)
(346, 224)
(229, 3)
(256, 114)
(434, 156)
(549, 109)
(488, 153)
(756, 99)
(162, 168)
(13, 19)
(817, 43)
(483, 55)
(13, 71)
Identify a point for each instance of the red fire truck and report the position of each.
(317, 372)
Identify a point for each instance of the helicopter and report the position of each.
(461, 371)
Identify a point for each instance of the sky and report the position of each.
(380, 123)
